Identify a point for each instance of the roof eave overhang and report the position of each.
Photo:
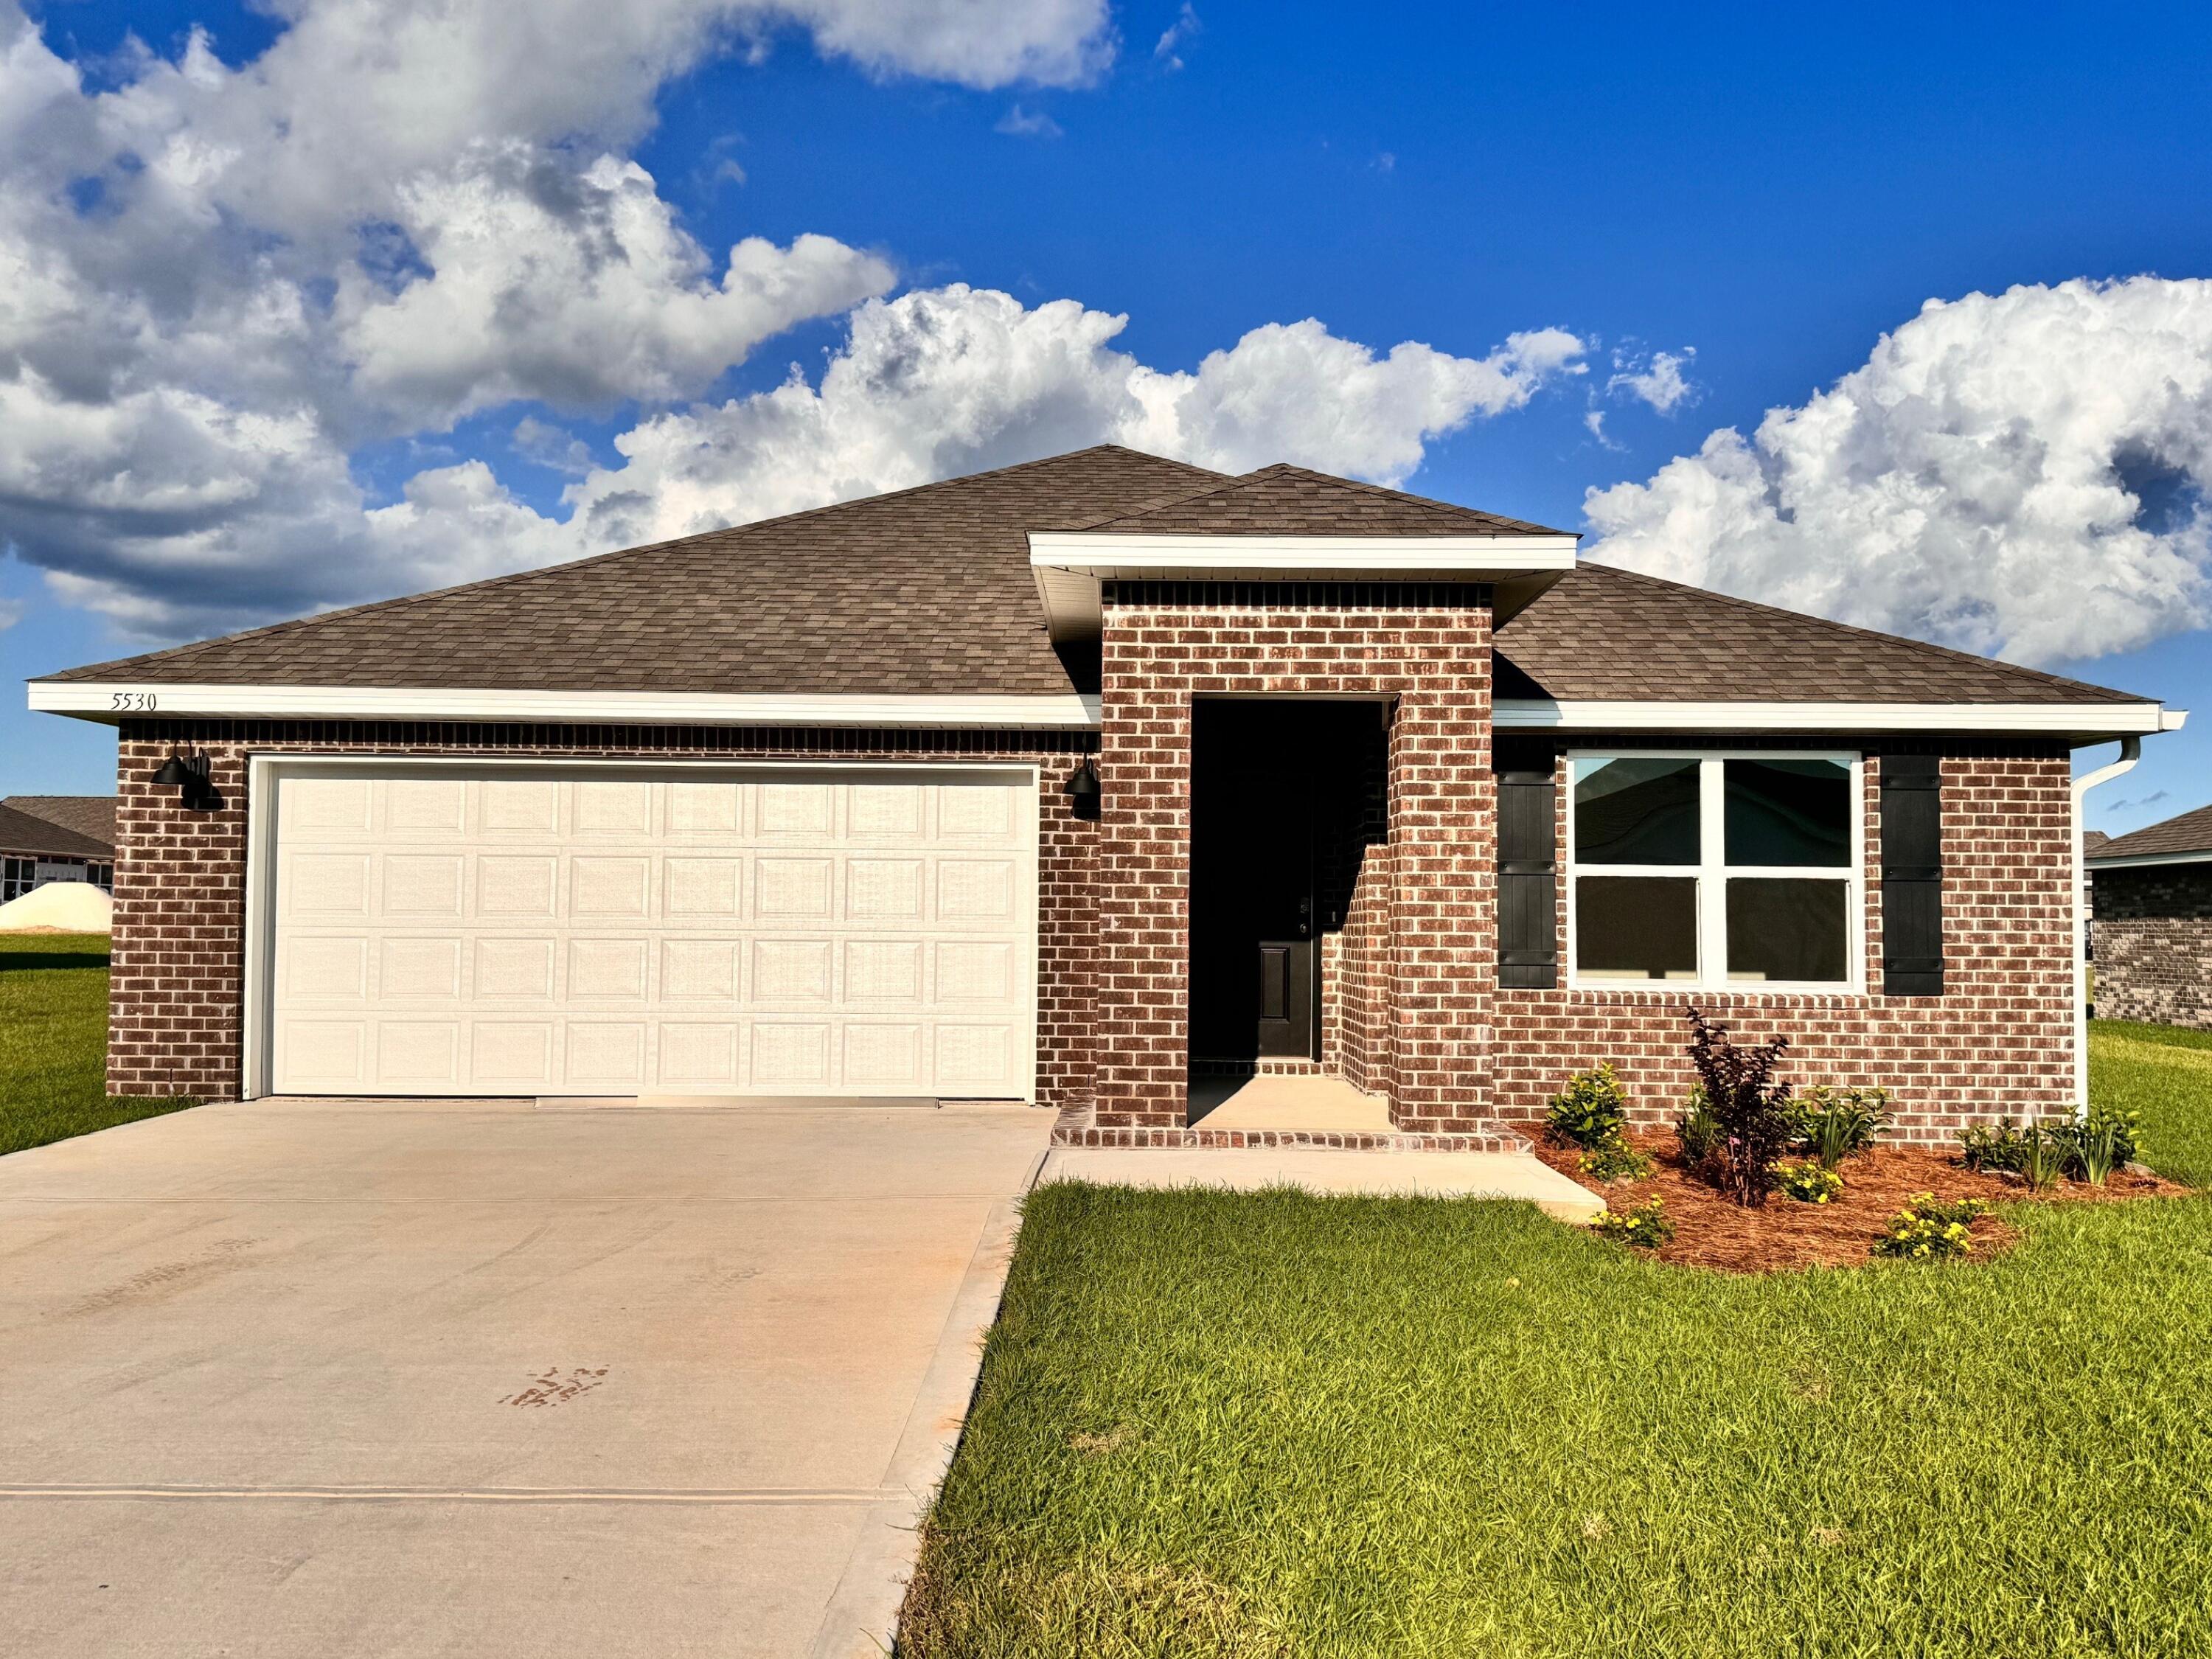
(1069, 566)
(113, 703)
(2146, 861)
(2075, 722)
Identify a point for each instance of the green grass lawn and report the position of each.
(54, 1042)
(1211, 1424)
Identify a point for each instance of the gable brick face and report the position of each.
(2154, 943)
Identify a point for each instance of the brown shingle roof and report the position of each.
(929, 591)
(20, 833)
(1290, 501)
(1612, 634)
(90, 816)
(924, 590)
(2189, 833)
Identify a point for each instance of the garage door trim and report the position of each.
(266, 771)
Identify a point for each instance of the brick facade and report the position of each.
(177, 976)
(1411, 1011)
(1999, 1040)
(1412, 960)
(2155, 944)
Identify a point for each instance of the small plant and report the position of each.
(2098, 1144)
(1991, 1148)
(1930, 1228)
(1616, 1160)
(1695, 1129)
(1591, 1110)
(1647, 1226)
(1752, 1118)
(2045, 1154)
(1809, 1182)
(1834, 1124)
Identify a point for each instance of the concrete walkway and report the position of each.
(466, 1378)
(1320, 1169)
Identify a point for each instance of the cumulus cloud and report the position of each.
(2024, 474)
(1657, 379)
(948, 380)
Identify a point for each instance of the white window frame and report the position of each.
(1712, 871)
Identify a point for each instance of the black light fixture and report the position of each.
(1082, 790)
(188, 775)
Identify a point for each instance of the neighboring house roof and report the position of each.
(20, 833)
(2184, 839)
(929, 593)
(1604, 634)
(1290, 501)
(2094, 839)
(90, 816)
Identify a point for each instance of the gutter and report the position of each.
(2130, 752)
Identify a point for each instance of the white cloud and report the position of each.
(2023, 474)
(1021, 122)
(1167, 51)
(11, 612)
(1657, 381)
(550, 446)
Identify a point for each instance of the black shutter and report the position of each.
(1912, 875)
(1527, 870)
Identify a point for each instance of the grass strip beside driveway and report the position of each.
(54, 1042)
(1216, 1424)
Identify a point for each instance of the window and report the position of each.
(1714, 870)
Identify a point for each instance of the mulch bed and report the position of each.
(1711, 1232)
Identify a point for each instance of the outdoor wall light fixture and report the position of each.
(188, 774)
(1082, 789)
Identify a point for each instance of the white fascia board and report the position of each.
(2072, 720)
(111, 704)
(2144, 861)
(1135, 557)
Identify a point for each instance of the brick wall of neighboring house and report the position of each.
(1999, 1040)
(2155, 944)
(1414, 959)
(176, 995)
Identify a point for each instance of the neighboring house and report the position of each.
(2154, 922)
(1050, 783)
(46, 838)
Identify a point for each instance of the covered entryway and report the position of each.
(436, 927)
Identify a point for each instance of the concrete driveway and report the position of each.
(387, 1378)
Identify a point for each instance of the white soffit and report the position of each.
(2083, 721)
(111, 704)
(1069, 565)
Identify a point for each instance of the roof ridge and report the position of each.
(1711, 596)
(534, 572)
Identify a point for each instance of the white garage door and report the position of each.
(508, 931)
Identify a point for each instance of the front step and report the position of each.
(1076, 1129)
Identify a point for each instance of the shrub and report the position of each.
(1998, 1146)
(1591, 1110)
(1695, 1129)
(2098, 1144)
(1614, 1160)
(1834, 1124)
(1930, 1228)
(1753, 1119)
(1809, 1182)
(1647, 1226)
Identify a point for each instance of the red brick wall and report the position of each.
(176, 986)
(2154, 941)
(1419, 969)
(1999, 1040)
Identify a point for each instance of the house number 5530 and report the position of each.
(137, 702)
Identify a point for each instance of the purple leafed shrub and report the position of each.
(1753, 1119)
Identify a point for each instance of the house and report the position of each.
(2154, 922)
(1056, 782)
(46, 838)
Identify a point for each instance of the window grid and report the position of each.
(1712, 871)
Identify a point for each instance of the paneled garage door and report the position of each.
(436, 931)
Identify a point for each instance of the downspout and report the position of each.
(2130, 752)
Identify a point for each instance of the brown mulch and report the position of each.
(1709, 1231)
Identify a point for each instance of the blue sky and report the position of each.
(1762, 201)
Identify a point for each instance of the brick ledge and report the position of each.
(1492, 1138)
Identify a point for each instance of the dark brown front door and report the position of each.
(1254, 964)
